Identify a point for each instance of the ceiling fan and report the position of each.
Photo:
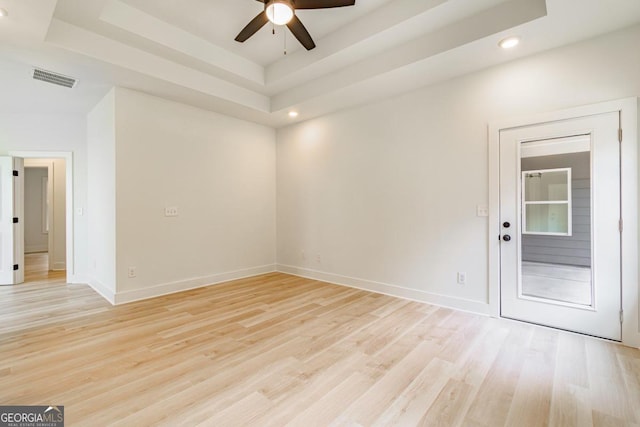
(282, 12)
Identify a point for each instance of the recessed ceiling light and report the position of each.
(293, 114)
(509, 42)
(3, 12)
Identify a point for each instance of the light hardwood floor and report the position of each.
(36, 269)
(280, 350)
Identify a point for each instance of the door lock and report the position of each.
(506, 238)
(506, 224)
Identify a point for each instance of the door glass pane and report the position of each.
(555, 257)
(547, 218)
(546, 185)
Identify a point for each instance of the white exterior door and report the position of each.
(560, 225)
(11, 220)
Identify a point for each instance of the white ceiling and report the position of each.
(185, 50)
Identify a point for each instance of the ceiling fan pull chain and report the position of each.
(285, 41)
(273, 28)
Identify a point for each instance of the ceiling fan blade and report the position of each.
(322, 4)
(301, 33)
(252, 27)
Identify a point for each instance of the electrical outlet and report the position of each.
(318, 259)
(462, 278)
(303, 255)
(171, 211)
(482, 210)
(131, 272)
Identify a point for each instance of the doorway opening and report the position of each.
(44, 220)
(59, 257)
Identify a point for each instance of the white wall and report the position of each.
(36, 239)
(386, 194)
(101, 202)
(55, 133)
(218, 171)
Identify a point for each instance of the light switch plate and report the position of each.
(171, 211)
(482, 210)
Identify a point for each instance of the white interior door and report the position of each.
(11, 220)
(560, 225)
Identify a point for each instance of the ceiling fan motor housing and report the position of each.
(290, 3)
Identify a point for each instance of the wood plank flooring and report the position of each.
(36, 269)
(278, 350)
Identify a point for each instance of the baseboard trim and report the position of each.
(105, 292)
(59, 266)
(387, 289)
(185, 285)
(74, 279)
(35, 249)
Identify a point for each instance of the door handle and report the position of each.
(506, 238)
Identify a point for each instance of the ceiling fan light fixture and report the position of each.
(280, 12)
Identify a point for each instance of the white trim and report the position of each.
(184, 285)
(44, 200)
(70, 196)
(524, 202)
(35, 249)
(387, 289)
(550, 147)
(59, 266)
(104, 291)
(630, 119)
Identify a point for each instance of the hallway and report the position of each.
(36, 269)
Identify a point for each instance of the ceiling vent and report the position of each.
(53, 78)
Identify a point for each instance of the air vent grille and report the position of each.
(53, 78)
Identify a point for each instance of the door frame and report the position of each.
(629, 194)
(69, 212)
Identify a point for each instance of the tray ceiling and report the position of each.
(185, 50)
